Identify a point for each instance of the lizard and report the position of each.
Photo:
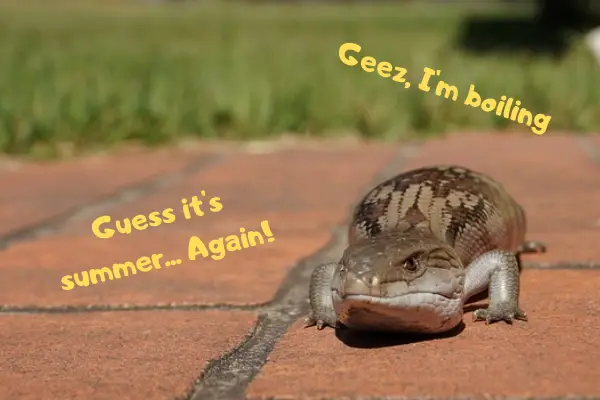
(420, 245)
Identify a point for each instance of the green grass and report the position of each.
(94, 77)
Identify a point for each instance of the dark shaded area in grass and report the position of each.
(502, 34)
(544, 32)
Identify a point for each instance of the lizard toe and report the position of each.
(309, 321)
(520, 315)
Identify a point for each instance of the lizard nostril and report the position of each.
(374, 281)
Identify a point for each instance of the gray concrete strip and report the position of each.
(228, 377)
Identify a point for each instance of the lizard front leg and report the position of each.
(498, 271)
(322, 312)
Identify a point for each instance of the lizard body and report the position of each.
(419, 246)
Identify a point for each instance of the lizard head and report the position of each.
(410, 283)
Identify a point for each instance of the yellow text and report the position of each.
(369, 64)
(508, 110)
(218, 248)
(118, 270)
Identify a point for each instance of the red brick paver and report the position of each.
(114, 355)
(43, 191)
(555, 354)
(159, 329)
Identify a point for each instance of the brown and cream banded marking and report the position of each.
(420, 245)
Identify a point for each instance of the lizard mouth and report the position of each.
(421, 312)
(390, 299)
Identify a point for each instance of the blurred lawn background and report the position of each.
(96, 74)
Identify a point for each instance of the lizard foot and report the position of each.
(322, 312)
(320, 323)
(531, 246)
(499, 312)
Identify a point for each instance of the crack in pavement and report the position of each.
(275, 305)
(590, 149)
(280, 303)
(69, 309)
(487, 397)
(562, 265)
(127, 195)
(227, 377)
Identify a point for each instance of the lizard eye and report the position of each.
(411, 264)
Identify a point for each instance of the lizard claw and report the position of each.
(499, 313)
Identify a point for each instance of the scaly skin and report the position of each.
(420, 245)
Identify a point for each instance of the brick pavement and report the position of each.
(232, 328)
